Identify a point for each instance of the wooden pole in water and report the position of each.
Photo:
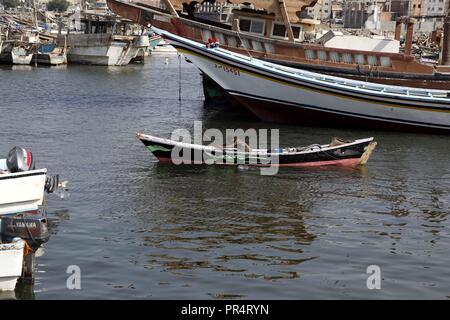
(37, 30)
(179, 77)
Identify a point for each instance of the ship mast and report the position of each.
(446, 40)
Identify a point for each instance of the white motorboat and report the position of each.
(22, 186)
(15, 52)
(11, 260)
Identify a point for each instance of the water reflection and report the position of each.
(193, 226)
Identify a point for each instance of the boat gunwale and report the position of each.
(23, 174)
(255, 152)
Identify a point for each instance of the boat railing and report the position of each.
(409, 92)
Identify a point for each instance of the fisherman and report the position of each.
(241, 145)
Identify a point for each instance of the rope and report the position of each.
(242, 43)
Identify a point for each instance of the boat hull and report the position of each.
(284, 98)
(115, 54)
(274, 112)
(11, 259)
(23, 191)
(49, 59)
(11, 58)
(101, 49)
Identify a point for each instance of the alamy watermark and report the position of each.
(374, 280)
(237, 146)
(73, 282)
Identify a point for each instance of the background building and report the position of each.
(322, 10)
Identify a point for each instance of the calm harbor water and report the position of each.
(139, 229)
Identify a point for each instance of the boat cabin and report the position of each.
(266, 24)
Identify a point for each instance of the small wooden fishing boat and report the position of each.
(50, 54)
(15, 52)
(338, 152)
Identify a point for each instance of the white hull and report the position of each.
(12, 58)
(116, 54)
(50, 59)
(258, 82)
(22, 191)
(103, 49)
(11, 259)
(19, 59)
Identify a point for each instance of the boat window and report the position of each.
(257, 27)
(244, 25)
(252, 25)
(296, 31)
(279, 31)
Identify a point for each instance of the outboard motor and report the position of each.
(31, 228)
(54, 185)
(19, 160)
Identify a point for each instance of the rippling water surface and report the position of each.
(139, 229)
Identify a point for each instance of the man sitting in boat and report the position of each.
(237, 144)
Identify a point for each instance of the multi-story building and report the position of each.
(322, 10)
(419, 8)
(415, 8)
(356, 12)
(433, 8)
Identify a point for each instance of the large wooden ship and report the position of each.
(251, 32)
(276, 93)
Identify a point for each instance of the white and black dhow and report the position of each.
(281, 94)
